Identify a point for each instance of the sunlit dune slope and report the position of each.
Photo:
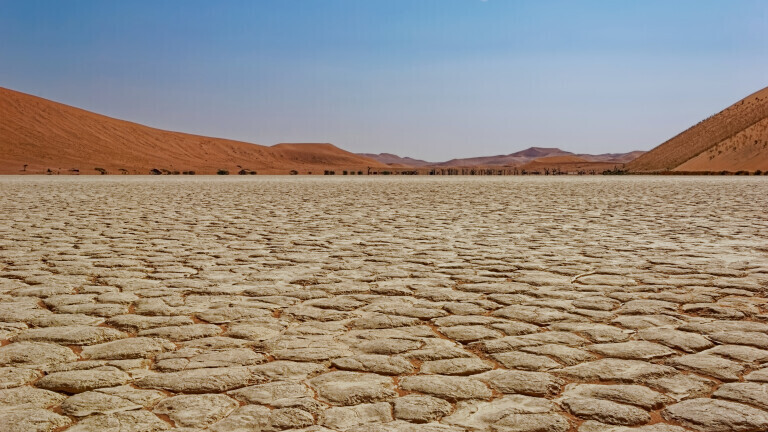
(731, 140)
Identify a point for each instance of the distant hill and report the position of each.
(512, 159)
(519, 158)
(392, 159)
(560, 159)
(569, 164)
(37, 135)
(732, 140)
(613, 157)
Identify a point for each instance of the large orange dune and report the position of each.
(735, 139)
(37, 135)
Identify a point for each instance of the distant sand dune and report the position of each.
(516, 159)
(569, 164)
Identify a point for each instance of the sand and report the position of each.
(744, 151)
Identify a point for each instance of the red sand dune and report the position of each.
(47, 135)
(734, 139)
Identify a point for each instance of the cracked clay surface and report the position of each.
(384, 304)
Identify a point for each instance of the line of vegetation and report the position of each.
(155, 171)
(616, 171)
(506, 171)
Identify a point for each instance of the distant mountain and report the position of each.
(734, 139)
(513, 159)
(37, 135)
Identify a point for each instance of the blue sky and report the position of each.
(433, 79)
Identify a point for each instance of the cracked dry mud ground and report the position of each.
(384, 304)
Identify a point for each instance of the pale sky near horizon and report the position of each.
(431, 79)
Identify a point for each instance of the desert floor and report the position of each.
(598, 304)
